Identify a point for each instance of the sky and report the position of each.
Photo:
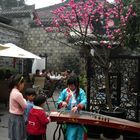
(45, 3)
(42, 3)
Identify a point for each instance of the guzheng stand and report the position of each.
(59, 127)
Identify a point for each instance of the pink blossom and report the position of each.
(50, 29)
(94, 16)
(109, 46)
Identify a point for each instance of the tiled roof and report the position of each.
(5, 20)
(46, 12)
(46, 23)
(18, 11)
(10, 27)
(45, 15)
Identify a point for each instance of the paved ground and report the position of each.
(50, 130)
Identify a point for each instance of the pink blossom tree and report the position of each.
(98, 27)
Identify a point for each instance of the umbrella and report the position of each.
(2, 47)
(15, 51)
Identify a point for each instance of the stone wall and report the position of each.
(8, 34)
(40, 42)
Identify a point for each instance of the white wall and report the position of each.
(38, 64)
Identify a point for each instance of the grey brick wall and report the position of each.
(9, 34)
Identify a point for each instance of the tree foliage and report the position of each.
(97, 25)
(133, 33)
(133, 28)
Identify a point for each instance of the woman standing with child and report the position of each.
(17, 105)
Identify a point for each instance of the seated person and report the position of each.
(44, 73)
(37, 74)
(73, 99)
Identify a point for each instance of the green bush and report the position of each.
(83, 81)
(72, 63)
(3, 72)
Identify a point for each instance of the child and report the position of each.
(17, 105)
(37, 120)
(30, 95)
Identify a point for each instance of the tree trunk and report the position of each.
(107, 90)
(88, 69)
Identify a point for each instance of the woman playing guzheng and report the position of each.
(73, 98)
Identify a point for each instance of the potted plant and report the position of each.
(95, 28)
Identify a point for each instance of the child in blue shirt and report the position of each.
(30, 95)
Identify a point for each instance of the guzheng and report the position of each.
(90, 118)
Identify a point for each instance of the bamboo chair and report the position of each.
(39, 83)
(45, 88)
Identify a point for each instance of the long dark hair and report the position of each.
(74, 80)
(15, 80)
